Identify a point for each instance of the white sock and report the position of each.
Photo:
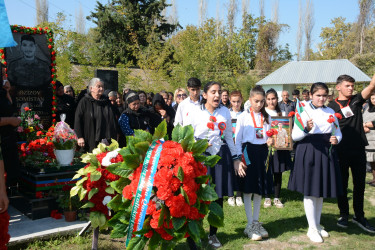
(256, 201)
(309, 203)
(247, 203)
(318, 210)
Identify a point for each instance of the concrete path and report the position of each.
(22, 229)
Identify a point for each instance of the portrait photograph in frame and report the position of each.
(283, 139)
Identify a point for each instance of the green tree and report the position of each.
(245, 40)
(124, 27)
(266, 47)
(335, 39)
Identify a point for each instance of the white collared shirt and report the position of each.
(199, 122)
(320, 118)
(245, 131)
(184, 111)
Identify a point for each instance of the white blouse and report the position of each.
(320, 118)
(201, 117)
(271, 112)
(245, 131)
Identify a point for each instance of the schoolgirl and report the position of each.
(281, 159)
(251, 142)
(212, 121)
(235, 99)
(316, 173)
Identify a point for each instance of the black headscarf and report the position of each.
(371, 107)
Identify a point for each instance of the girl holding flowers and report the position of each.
(212, 121)
(254, 179)
(316, 173)
(281, 160)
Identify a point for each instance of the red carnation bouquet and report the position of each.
(180, 195)
(271, 149)
(335, 126)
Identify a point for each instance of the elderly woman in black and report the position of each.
(137, 117)
(95, 118)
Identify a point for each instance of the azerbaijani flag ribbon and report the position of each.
(145, 184)
(297, 116)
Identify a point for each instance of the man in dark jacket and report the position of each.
(286, 105)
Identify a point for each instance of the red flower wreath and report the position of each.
(179, 196)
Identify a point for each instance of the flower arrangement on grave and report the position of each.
(30, 126)
(64, 137)
(64, 140)
(158, 189)
(39, 153)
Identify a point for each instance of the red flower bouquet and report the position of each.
(335, 126)
(271, 149)
(64, 137)
(158, 189)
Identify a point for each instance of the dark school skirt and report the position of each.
(316, 172)
(223, 173)
(281, 161)
(257, 180)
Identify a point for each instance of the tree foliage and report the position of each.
(124, 27)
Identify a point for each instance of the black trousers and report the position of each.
(356, 161)
(10, 156)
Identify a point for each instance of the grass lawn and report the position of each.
(287, 228)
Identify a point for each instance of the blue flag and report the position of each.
(6, 36)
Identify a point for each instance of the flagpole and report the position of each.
(299, 103)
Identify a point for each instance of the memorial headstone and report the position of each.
(109, 77)
(29, 69)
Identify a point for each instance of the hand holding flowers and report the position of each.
(333, 139)
(271, 149)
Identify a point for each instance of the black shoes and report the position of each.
(361, 222)
(343, 222)
(364, 224)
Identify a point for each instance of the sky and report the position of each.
(23, 12)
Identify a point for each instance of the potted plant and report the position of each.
(64, 139)
(69, 205)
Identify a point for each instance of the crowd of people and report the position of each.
(237, 132)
